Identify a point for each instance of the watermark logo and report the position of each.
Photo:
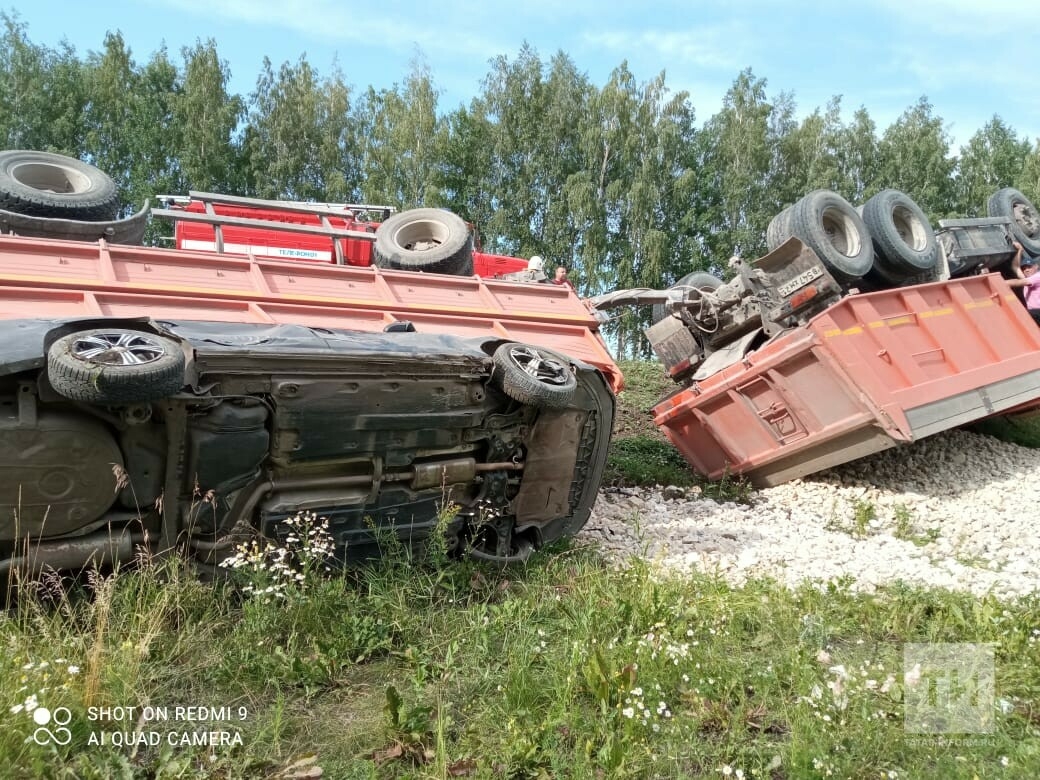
(949, 688)
(44, 718)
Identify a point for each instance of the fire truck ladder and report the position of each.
(322, 211)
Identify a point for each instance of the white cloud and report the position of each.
(711, 46)
(971, 19)
(342, 24)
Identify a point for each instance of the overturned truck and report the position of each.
(164, 398)
(860, 330)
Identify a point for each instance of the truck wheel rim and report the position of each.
(49, 177)
(1027, 219)
(841, 232)
(544, 369)
(910, 229)
(117, 349)
(421, 236)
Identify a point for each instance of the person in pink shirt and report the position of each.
(1028, 279)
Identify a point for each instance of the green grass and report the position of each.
(645, 383)
(640, 456)
(565, 668)
(641, 460)
(1023, 430)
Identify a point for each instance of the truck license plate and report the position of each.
(801, 280)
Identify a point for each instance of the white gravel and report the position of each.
(956, 510)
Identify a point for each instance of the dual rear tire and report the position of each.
(826, 223)
(890, 238)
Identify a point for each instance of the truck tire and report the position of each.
(42, 184)
(114, 366)
(430, 240)
(779, 229)
(832, 228)
(534, 375)
(904, 242)
(1025, 220)
(698, 279)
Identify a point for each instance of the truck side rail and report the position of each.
(287, 206)
(218, 220)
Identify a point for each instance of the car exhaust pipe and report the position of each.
(96, 549)
(420, 477)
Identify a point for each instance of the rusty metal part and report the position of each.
(97, 549)
(422, 476)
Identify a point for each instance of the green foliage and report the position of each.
(607, 686)
(857, 518)
(739, 148)
(462, 180)
(398, 137)
(409, 727)
(863, 514)
(300, 619)
(1023, 430)
(915, 158)
(43, 92)
(646, 383)
(207, 117)
(992, 159)
(642, 460)
(728, 488)
(113, 82)
(295, 141)
(906, 529)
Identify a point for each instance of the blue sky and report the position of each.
(966, 56)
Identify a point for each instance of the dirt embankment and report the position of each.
(645, 384)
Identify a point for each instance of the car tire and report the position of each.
(833, 229)
(1025, 220)
(698, 279)
(430, 240)
(534, 375)
(779, 229)
(114, 366)
(903, 238)
(42, 184)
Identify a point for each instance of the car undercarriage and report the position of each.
(121, 434)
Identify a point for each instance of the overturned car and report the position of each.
(160, 433)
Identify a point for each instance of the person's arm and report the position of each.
(1016, 262)
(1024, 281)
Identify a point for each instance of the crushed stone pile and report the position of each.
(957, 510)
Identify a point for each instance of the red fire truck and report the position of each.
(432, 240)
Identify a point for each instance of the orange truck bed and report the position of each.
(870, 372)
(42, 277)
